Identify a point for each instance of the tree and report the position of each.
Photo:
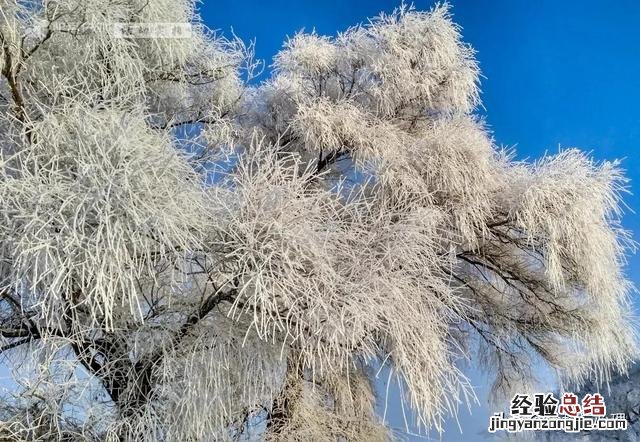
(187, 256)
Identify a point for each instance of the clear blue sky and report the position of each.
(558, 73)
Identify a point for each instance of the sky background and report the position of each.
(556, 74)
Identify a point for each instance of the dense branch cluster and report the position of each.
(186, 256)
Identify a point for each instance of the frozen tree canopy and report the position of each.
(185, 256)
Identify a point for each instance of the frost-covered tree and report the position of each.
(184, 256)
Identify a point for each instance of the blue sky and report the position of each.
(557, 74)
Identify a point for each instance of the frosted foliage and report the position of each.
(342, 409)
(360, 264)
(185, 257)
(95, 211)
(398, 66)
(207, 384)
(71, 48)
